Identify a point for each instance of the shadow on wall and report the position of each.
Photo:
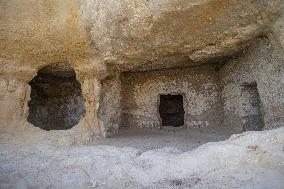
(252, 108)
(56, 101)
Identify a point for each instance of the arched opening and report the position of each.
(56, 101)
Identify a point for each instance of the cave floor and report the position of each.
(177, 137)
(250, 160)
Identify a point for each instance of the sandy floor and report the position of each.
(252, 160)
(180, 138)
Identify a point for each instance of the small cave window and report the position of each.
(171, 110)
(56, 101)
(252, 108)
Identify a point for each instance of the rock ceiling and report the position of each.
(128, 34)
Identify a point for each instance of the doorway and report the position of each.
(171, 110)
(56, 101)
(252, 108)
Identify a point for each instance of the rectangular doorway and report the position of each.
(171, 110)
(252, 108)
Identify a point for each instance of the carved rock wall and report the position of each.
(198, 85)
(103, 40)
(262, 64)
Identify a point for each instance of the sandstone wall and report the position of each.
(130, 33)
(14, 90)
(198, 85)
(15, 95)
(101, 39)
(263, 64)
(109, 111)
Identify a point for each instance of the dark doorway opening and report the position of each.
(56, 101)
(171, 110)
(252, 108)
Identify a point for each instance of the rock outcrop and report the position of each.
(104, 40)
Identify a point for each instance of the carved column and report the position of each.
(91, 91)
(15, 93)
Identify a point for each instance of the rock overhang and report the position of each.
(129, 35)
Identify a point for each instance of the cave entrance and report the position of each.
(252, 108)
(171, 110)
(56, 98)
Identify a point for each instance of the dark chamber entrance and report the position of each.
(252, 108)
(56, 101)
(171, 110)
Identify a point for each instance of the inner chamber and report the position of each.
(252, 119)
(56, 101)
(171, 110)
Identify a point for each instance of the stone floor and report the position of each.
(182, 138)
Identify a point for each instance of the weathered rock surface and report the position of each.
(250, 160)
(128, 34)
(102, 39)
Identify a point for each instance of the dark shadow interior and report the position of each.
(171, 110)
(56, 98)
(252, 108)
